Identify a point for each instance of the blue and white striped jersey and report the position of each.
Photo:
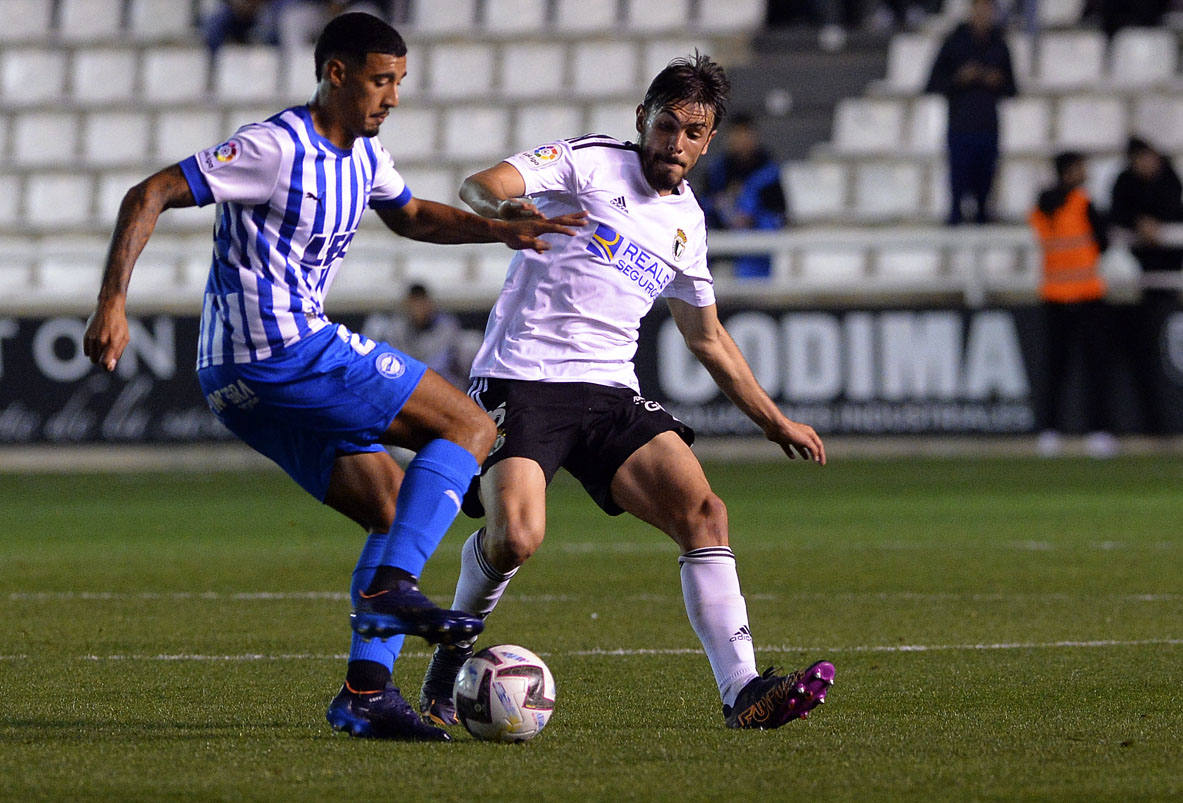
(289, 202)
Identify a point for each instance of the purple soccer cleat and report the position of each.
(771, 700)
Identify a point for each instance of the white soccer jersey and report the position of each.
(289, 202)
(572, 314)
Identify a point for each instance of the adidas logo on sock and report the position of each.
(619, 203)
(743, 634)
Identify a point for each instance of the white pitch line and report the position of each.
(642, 651)
(339, 596)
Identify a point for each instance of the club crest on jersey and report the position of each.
(542, 156)
(389, 365)
(222, 155)
(679, 244)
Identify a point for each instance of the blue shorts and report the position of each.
(332, 393)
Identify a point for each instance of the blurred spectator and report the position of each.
(242, 22)
(973, 71)
(743, 190)
(1072, 236)
(430, 335)
(1117, 14)
(1147, 194)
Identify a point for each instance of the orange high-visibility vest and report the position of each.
(1071, 257)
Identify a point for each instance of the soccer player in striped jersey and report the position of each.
(555, 372)
(318, 399)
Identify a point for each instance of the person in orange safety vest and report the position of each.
(1072, 236)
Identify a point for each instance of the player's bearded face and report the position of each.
(374, 90)
(672, 140)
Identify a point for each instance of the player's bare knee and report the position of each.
(514, 546)
(703, 524)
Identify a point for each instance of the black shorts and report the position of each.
(590, 430)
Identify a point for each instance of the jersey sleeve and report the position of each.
(547, 168)
(243, 169)
(390, 191)
(694, 284)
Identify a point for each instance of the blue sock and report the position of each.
(428, 502)
(378, 650)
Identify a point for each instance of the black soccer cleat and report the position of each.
(435, 698)
(404, 609)
(380, 715)
(771, 700)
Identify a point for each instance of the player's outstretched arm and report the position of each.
(432, 222)
(716, 350)
(106, 332)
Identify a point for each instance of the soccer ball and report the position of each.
(504, 694)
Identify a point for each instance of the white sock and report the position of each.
(480, 585)
(719, 615)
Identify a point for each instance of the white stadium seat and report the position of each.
(115, 138)
(605, 68)
(906, 264)
(928, 124)
(411, 133)
(833, 266)
(437, 268)
(461, 70)
(455, 17)
(863, 125)
(84, 20)
(586, 16)
(1017, 186)
(25, 19)
(1159, 118)
(32, 75)
(530, 69)
(1102, 172)
(730, 16)
(659, 52)
(433, 183)
(938, 193)
(10, 197)
(475, 132)
(154, 20)
(909, 61)
(1091, 122)
(58, 199)
(647, 16)
(175, 74)
(1071, 59)
(246, 72)
(888, 190)
(45, 138)
(815, 190)
(1022, 57)
(1024, 123)
(298, 81)
(106, 74)
(515, 17)
(617, 119)
(1060, 13)
(112, 186)
(536, 124)
(183, 132)
(1141, 57)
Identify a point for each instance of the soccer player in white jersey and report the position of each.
(319, 400)
(555, 373)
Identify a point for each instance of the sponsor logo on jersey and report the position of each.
(679, 244)
(605, 242)
(543, 155)
(643, 268)
(619, 203)
(389, 365)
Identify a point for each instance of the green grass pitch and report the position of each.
(1003, 629)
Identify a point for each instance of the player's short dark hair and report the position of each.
(694, 79)
(1066, 160)
(351, 36)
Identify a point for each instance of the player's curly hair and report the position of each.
(351, 36)
(692, 79)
